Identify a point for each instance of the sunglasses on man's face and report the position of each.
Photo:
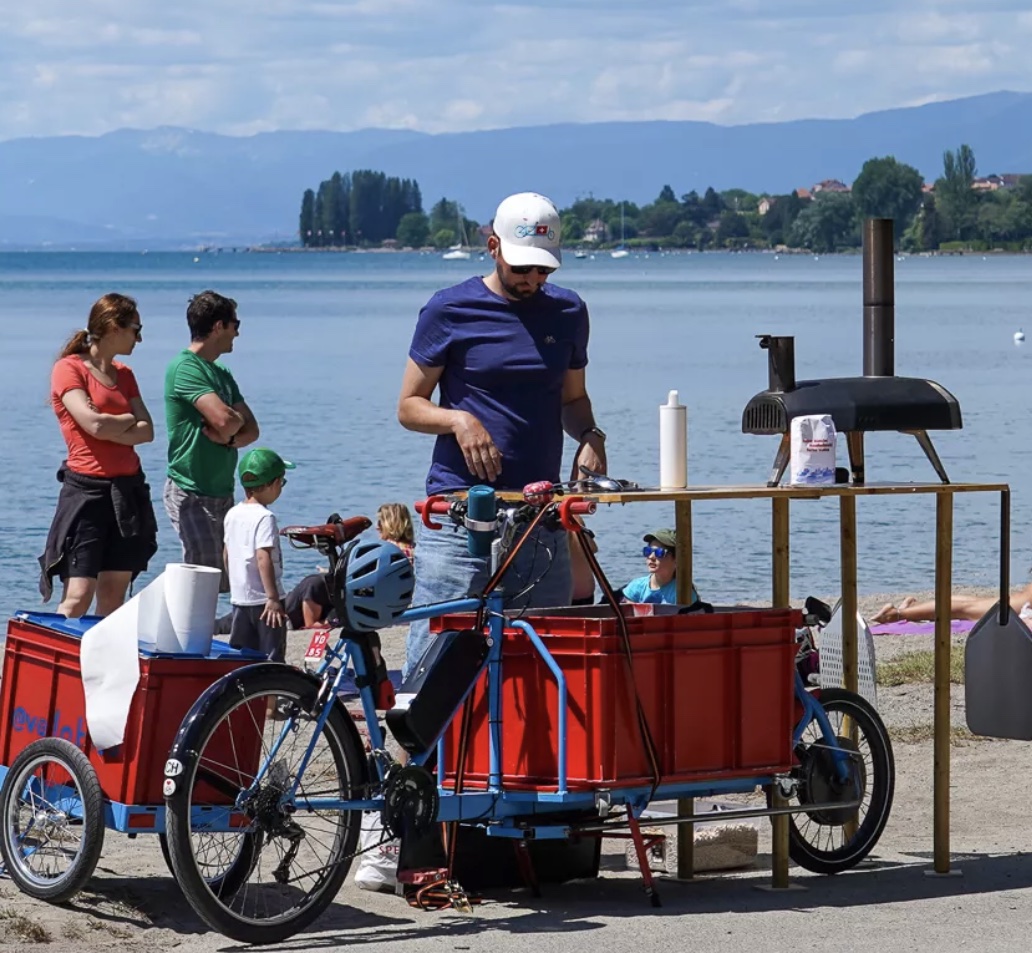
(527, 269)
(658, 551)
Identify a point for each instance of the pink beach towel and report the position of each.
(957, 627)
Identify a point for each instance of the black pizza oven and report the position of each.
(877, 401)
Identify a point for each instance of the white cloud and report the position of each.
(466, 64)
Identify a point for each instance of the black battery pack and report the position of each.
(433, 691)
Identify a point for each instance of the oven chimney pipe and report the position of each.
(879, 299)
(780, 362)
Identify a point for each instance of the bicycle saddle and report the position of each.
(334, 530)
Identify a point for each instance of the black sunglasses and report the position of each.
(527, 269)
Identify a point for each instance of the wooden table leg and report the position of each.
(685, 806)
(847, 544)
(943, 648)
(780, 593)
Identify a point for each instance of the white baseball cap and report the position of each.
(527, 225)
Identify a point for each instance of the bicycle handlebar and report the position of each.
(567, 508)
(438, 505)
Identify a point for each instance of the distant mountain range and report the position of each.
(172, 187)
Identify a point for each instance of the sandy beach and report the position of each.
(132, 903)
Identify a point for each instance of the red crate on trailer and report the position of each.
(41, 695)
(717, 690)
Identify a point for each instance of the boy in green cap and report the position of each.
(253, 558)
(660, 584)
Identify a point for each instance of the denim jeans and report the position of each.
(445, 570)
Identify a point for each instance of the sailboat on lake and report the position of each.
(621, 250)
(461, 251)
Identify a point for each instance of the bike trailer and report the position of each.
(41, 695)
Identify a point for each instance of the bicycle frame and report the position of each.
(494, 802)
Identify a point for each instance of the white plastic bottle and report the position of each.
(673, 444)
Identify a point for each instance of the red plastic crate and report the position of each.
(717, 690)
(41, 694)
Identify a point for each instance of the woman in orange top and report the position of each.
(104, 532)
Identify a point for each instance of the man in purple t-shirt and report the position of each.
(507, 354)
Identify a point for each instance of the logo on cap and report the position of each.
(528, 231)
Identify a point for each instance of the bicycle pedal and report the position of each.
(459, 898)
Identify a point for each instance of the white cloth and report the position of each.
(250, 527)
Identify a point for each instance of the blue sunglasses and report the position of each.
(658, 551)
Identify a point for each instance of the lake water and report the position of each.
(324, 338)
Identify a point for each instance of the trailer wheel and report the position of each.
(51, 820)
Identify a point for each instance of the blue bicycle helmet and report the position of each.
(376, 583)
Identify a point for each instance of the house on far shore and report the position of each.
(988, 183)
(803, 194)
(992, 183)
(831, 185)
(765, 205)
(595, 231)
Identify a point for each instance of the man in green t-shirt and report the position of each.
(207, 420)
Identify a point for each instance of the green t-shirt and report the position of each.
(195, 463)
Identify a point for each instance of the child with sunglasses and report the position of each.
(660, 584)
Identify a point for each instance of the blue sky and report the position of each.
(91, 66)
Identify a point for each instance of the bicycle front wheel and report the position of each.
(833, 839)
(258, 858)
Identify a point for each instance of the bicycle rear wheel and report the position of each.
(226, 881)
(255, 862)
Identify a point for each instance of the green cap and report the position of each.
(665, 537)
(262, 466)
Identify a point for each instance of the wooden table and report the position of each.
(781, 497)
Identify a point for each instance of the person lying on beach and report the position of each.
(961, 607)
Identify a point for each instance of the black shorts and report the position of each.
(248, 631)
(95, 545)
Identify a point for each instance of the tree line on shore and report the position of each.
(367, 209)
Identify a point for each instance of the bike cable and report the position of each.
(445, 892)
(625, 639)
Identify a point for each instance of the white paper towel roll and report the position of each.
(191, 599)
(154, 622)
(673, 444)
(109, 659)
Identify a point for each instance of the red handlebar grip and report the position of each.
(432, 504)
(574, 506)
